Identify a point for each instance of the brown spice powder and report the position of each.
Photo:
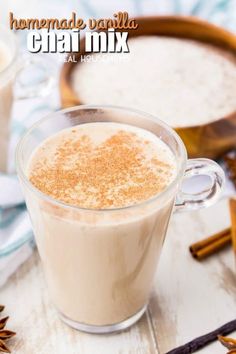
(115, 173)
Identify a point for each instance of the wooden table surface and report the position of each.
(190, 298)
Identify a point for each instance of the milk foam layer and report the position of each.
(102, 165)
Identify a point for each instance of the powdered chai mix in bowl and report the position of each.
(179, 69)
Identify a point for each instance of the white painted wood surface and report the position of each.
(190, 298)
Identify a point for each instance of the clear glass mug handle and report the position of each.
(40, 83)
(208, 195)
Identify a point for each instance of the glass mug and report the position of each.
(100, 264)
(11, 73)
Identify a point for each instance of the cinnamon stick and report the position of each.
(210, 245)
(232, 207)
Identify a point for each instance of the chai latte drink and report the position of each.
(100, 183)
(100, 267)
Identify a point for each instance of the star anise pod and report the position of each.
(229, 343)
(3, 347)
(3, 322)
(5, 334)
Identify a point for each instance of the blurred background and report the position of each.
(220, 11)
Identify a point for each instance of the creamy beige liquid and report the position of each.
(100, 264)
(5, 105)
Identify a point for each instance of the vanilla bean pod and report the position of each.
(201, 342)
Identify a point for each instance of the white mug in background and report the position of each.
(12, 66)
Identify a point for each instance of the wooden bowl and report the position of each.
(206, 140)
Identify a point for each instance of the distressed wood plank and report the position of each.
(191, 297)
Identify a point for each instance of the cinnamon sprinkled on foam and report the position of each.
(120, 170)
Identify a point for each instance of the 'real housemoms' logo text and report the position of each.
(54, 35)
